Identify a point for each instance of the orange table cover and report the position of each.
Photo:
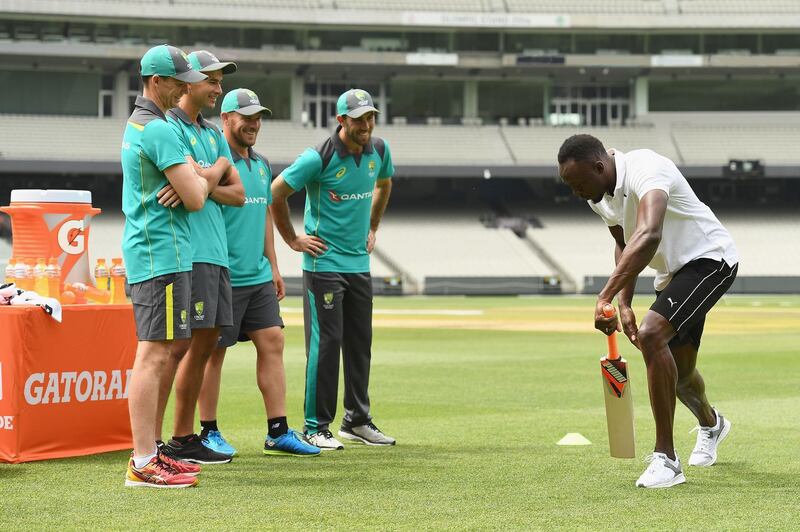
(63, 386)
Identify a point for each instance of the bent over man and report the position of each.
(656, 219)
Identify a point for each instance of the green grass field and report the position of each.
(477, 399)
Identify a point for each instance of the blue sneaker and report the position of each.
(290, 443)
(215, 441)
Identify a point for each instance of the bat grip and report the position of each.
(613, 350)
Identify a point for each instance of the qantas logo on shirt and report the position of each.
(348, 197)
(256, 200)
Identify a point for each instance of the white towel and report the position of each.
(11, 295)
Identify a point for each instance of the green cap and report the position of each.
(243, 101)
(167, 61)
(205, 61)
(355, 103)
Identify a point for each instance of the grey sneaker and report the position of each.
(369, 434)
(708, 439)
(324, 440)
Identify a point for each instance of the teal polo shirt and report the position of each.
(339, 200)
(247, 225)
(156, 240)
(205, 142)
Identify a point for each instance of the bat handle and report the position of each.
(613, 350)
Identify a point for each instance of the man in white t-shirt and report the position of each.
(657, 220)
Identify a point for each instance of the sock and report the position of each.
(277, 427)
(182, 439)
(142, 461)
(208, 426)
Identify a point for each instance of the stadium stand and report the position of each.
(454, 243)
(643, 7)
(760, 7)
(686, 138)
(447, 144)
(464, 63)
(573, 233)
(539, 145)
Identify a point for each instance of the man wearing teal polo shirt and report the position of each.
(210, 306)
(257, 283)
(347, 182)
(157, 250)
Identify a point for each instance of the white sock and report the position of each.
(142, 461)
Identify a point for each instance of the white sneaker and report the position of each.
(369, 434)
(708, 439)
(324, 440)
(661, 473)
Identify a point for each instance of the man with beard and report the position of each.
(210, 307)
(158, 253)
(348, 181)
(256, 280)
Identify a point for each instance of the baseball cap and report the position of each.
(205, 61)
(355, 103)
(243, 101)
(168, 61)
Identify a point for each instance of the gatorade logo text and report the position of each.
(6, 422)
(46, 388)
(71, 238)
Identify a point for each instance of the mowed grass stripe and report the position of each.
(477, 414)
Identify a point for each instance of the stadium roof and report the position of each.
(573, 14)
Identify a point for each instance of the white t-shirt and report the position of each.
(690, 231)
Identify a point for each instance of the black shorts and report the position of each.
(211, 296)
(690, 294)
(161, 307)
(254, 308)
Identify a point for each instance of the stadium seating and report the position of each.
(447, 144)
(455, 244)
(577, 239)
(580, 243)
(687, 138)
(639, 7)
(69, 138)
(761, 7)
(759, 233)
(539, 145)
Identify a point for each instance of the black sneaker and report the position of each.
(193, 451)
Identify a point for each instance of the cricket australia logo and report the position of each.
(198, 311)
(192, 140)
(371, 167)
(327, 300)
(183, 325)
(361, 96)
(341, 172)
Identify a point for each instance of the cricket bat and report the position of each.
(619, 401)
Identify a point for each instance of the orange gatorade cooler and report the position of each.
(53, 223)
